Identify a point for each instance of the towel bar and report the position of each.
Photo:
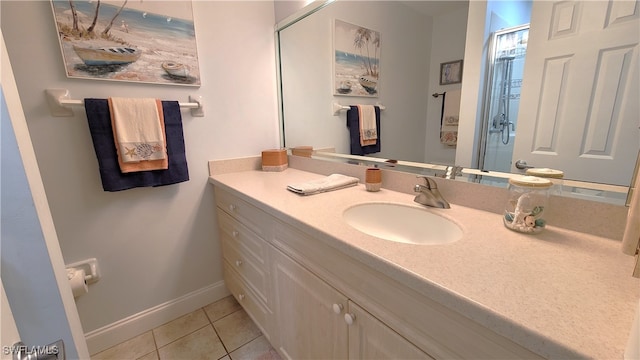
(336, 108)
(60, 103)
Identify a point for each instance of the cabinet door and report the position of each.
(369, 338)
(307, 325)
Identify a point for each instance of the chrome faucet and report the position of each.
(429, 194)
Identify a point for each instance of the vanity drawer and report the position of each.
(252, 274)
(247, 242)
(249, 301)
(245, 253)
(252, 217)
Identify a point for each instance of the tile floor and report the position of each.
(221, 330)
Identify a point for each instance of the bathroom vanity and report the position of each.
(319, 288)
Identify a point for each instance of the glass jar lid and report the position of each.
(530, 181)
(546, 173)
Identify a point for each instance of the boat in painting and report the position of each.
(369, 83)
(115, 55)
(175, 69)
(345, 87)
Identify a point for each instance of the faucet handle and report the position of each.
(429, 182)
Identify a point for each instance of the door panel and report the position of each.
(579, 108)
(8, 332)
(32, 267)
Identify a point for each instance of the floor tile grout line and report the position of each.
(244, 344)
(225, 346)
(155, 343)
(200, 328)
(229, 314)
(210, 322)
(216, 332)
(181, 337)
(220, 338)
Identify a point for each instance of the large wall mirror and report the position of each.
(562, 94)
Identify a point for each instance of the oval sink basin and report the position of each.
(402, 223)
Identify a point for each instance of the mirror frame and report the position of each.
(614, 194)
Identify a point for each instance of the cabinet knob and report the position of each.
(235, 233)
(349, 318)
(240, 297)
(232, 207)
(337, 308)
(238, 262)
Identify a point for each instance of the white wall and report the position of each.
(447, 44)
(282, 9)
(153, 244)
(307, 58)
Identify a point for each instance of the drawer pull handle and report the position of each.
(238, 262)
(240, 297)
(235, 234)
(349, 318)
(232, 207)
(337, 308)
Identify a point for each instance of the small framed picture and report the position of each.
(451, 72)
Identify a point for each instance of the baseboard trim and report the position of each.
(136, 324)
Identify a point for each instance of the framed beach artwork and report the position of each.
(451, 72)
(120, 40)
(356, 65)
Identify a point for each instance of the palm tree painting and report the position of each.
(356, 60)
(128, 40)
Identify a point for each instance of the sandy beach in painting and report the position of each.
(159, 38)
(348, 68)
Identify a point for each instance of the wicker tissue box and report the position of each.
(274, 160)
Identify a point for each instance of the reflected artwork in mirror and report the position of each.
(587, 128)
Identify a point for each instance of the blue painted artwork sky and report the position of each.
(158, 34)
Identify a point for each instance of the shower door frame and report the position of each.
(488, 89)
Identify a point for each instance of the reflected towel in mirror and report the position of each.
(368, 128)
(450, 116)
(353, 124)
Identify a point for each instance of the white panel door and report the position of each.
(33, 272)
(579, 106)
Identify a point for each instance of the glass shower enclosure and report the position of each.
(507, 51)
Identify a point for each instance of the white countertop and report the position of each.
(560, 293)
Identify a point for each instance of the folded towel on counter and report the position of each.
(450, 117)
(368, 128)
(329, 183)
(631, 236)
(138, 128)
(113, 179)
(353, 124)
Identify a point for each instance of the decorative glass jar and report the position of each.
(528, 198)
(556, 177)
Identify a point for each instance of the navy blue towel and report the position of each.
(353, 123)
(113, 179)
